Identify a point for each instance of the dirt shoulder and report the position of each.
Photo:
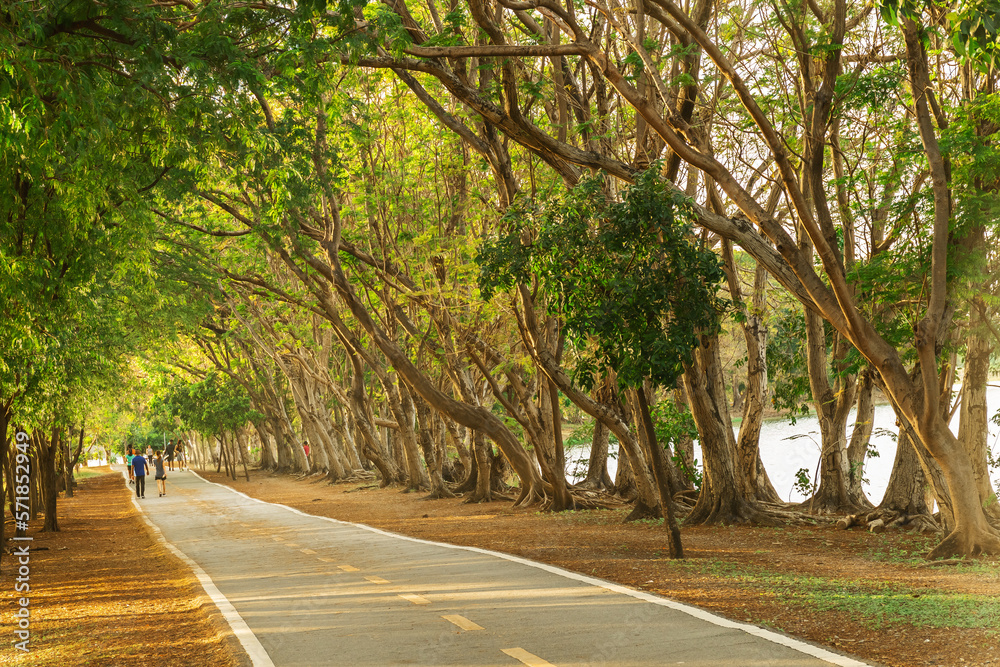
(855, 592)
(105, 592)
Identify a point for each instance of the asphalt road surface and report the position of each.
(303, 590)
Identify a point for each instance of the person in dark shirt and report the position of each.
(140, 467)
(170, 454)
(161, 476)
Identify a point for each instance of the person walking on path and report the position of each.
(140, 467)
(179, 454)
(129, 455)
(161, 476)
(170, 454)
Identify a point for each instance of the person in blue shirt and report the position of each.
(140, 467)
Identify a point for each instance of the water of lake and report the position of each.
(787, 448)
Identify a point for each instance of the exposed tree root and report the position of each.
(643, 511)
(967, 543)
(879, 520)
(439, 493)
(733, 509)
(359, 476)
(531, 494)
(362, 488)
(827, 506)
(468, 484)
(596, 500)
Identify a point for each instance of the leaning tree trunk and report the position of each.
(754, 397)
(470, 416)
(660, 473)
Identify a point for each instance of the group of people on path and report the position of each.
(139, 466)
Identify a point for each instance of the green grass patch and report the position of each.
(873, 604)
(83, 473)
(912, 549)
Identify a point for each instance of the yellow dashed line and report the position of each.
(461, 621)
(348, 568)
(327, 560)
(377, 580)
(415, 599)
(307, 551)
(292, 545)
(530, 659)
(278, 539)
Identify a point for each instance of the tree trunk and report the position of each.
(648, 498)
(4, 468)
(660, 474)
(47, 467)
(241, 443)
(973, 428)
(597, 468)
(857, 451)
(474, 417)
(754, 398)
(483, 492)
(434, 464)
(907, 494)
(833, 406)
(403, 411)
(267, 459)
(553, 446)
(725, 496)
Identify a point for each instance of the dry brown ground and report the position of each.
(104, 592)
(721, 572)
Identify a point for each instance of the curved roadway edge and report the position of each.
(258, 656)
(783, 640)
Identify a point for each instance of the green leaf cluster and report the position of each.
(632, 284)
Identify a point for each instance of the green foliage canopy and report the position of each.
(632, 284)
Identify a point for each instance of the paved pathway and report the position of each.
(308, 590)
